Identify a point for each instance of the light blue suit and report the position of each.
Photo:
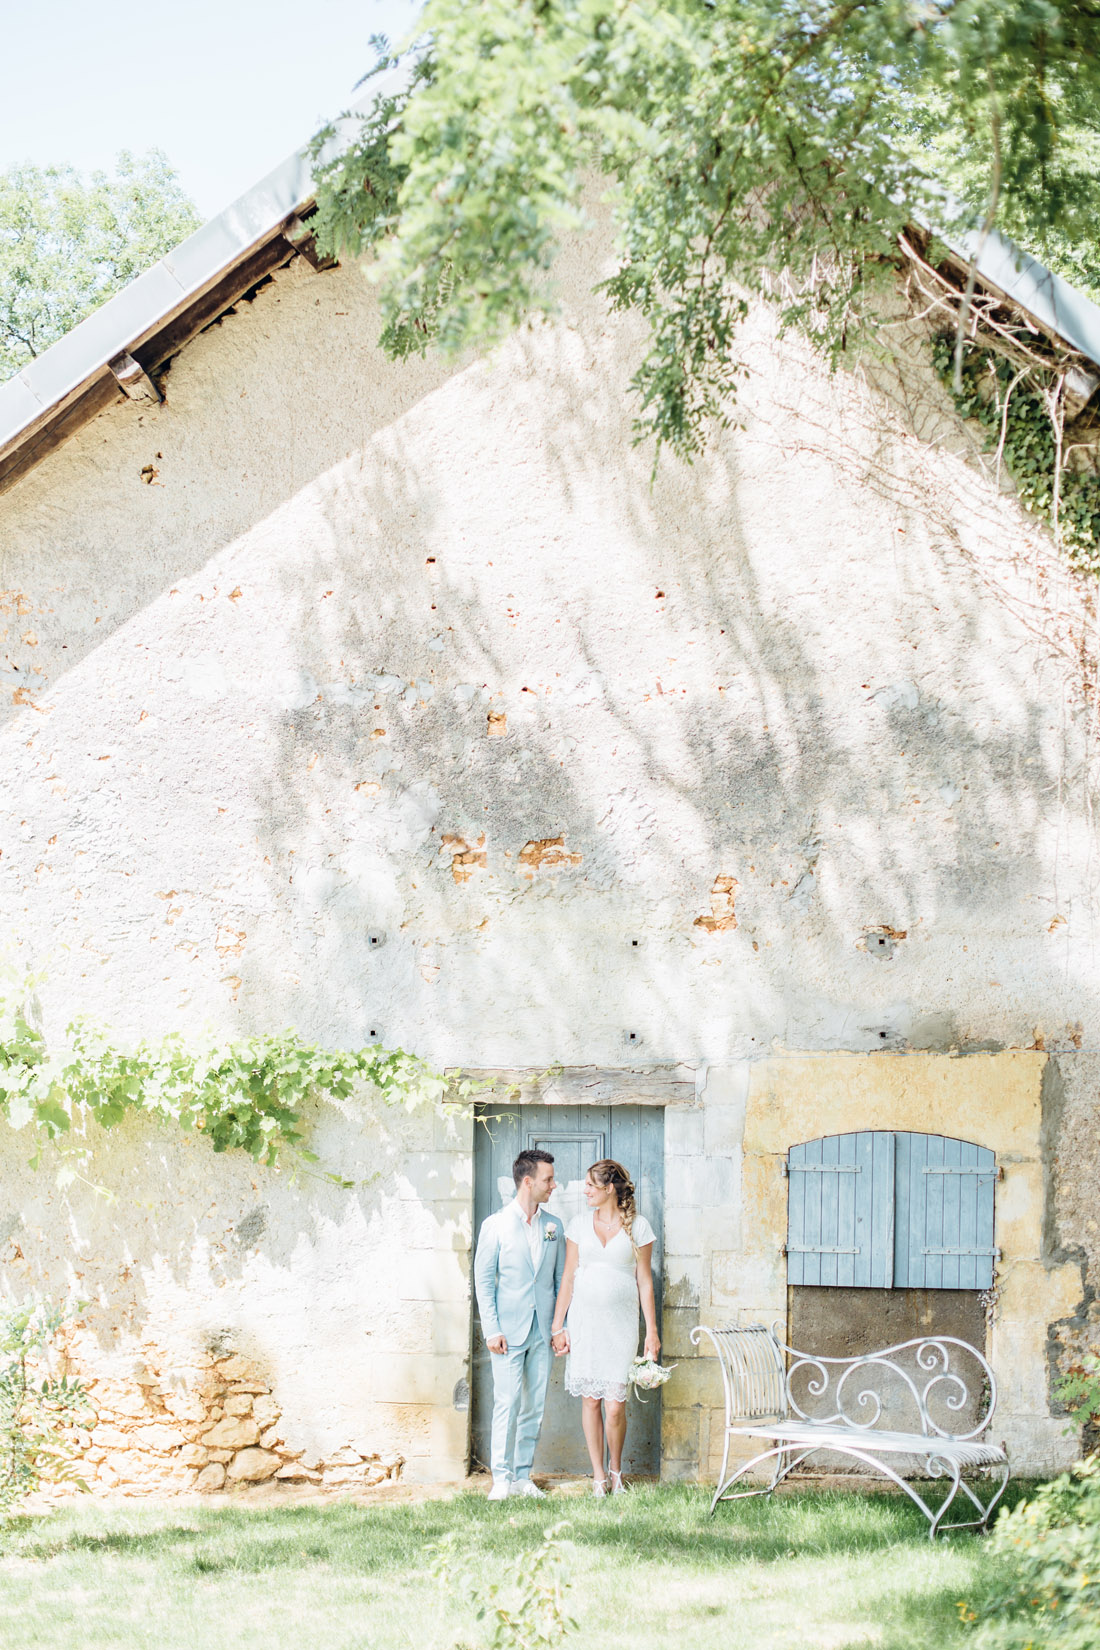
(516, 1299)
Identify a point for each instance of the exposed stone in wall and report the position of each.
(547, 855)
(466, 857)
(1071, 1122)
(721, 917)
(224, 1429)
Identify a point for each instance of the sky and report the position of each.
(226, 88)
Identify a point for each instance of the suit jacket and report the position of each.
(511, 1292)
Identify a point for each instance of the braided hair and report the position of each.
(609, 1173)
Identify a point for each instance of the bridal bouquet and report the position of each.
(647, 1376)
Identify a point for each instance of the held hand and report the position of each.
(496, 1343)
(653, 1346)
(559, 1340)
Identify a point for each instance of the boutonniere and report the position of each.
(550, 1235)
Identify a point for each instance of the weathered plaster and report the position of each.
(394, 699)
(270, 725)
(353, 1307)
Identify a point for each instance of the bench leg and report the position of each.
(986, 1511)
(782, 1469)
(787, 1461)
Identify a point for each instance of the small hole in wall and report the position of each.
(375, 940)
(632, 1038)
(882, 1034)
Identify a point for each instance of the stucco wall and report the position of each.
(327, 648)
(738, 1272)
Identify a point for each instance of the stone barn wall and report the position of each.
(786, 753)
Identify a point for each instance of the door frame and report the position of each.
(517, 1090)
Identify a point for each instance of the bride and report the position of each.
(608, 1269)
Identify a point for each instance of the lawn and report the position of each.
(812, 1568)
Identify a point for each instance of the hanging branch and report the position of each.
(987, 226)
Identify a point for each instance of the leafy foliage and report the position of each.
(1044, 1587)
(247, 1095)
(747, 146)
(1051, 207)
(67, 244)
(523, 1607)
(37, 1408)
(1017, 416)
(1079, 1390)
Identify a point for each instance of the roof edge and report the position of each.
(57, 379)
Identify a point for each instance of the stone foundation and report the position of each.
(220, 1427)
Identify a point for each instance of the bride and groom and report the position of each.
(572, 1290)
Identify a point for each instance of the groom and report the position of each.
(517, 1270)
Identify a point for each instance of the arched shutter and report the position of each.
(944, 1237)
(878, 1210)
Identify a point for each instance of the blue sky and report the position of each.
(226, 88)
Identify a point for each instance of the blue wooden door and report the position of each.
(578, 1136)
(881, 1210)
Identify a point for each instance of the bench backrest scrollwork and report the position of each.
(938, 1386)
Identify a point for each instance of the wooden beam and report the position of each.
(300, 236)
(586, 1086)
(213, 303)
(58, 423)
(101, 393)
(133, 379)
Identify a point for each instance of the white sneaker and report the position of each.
(500, 1490)
(524, 1486)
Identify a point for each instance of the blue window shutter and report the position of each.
(944, 1232)
(879, 1210)
(882, 1210)
(840, 1211)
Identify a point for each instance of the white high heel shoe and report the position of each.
(599, 1486)
(617, 1485)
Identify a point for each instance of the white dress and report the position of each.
(603, 1314)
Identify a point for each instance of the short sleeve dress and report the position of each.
(604, 1312)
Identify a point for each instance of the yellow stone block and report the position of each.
(1030, 1291)
(695, 1381)
(676, 1326)
(992, 1099)
(679, 1434)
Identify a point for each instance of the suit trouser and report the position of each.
(519, 1397)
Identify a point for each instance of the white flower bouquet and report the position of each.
(646, 1375)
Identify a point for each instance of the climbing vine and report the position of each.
(1019, 409)
(248, 1095)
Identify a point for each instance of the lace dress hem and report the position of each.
(615, 1390)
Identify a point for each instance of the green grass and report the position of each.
(815, 1568)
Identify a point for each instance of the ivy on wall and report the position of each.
(1019, 410)
(246, 1095)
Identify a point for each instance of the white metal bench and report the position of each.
(805, 1404)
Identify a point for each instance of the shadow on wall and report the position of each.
(478, 742)
(141, 503)
(606, 720)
